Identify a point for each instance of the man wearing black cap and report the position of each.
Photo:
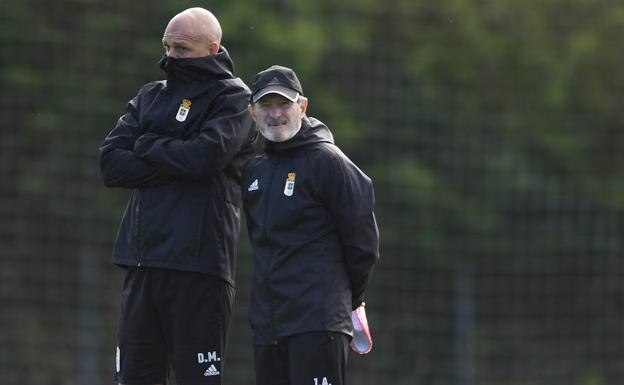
(314, 236)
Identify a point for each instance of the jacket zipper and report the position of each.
(139, 229)
(266, 215)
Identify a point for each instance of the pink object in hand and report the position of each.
(362, 341)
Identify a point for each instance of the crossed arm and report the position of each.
(130, 158)
(121, 166)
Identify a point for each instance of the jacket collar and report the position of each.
(198, 69)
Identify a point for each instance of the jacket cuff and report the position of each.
(356, 302)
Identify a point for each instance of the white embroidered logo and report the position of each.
(211, 371)
(253, 186)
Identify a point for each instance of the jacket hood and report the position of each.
(198, 69)
(312, 131)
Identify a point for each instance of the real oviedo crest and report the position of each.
(183, 111)
(289, 187)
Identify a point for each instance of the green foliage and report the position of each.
(542, 78)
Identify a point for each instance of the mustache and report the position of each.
(274, 121)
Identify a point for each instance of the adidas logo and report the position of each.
(253, 186)
(211, 371)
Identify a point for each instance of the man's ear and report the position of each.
(303, 104)
(213, 48)
(251, 112)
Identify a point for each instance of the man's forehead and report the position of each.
(180, 38)
(181, 29)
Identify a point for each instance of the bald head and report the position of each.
(194, 32)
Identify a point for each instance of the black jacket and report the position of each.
(310, 218)
(181, 146)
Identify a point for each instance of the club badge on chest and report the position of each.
(184, 110)
(289, 187)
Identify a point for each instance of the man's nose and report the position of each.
(275, 111)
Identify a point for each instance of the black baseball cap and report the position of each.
(276, 80)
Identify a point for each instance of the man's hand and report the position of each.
(362, 341)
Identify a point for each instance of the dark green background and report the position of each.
(490, 129)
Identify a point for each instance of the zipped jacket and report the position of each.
(312, 228)
(180, 147)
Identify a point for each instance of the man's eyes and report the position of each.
(280, 104)
(176, 48)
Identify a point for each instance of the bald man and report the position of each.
(179, 148)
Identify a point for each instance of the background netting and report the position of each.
(490, 129)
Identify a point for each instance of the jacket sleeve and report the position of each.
(119, 163)
(350, 198)
(221, 137)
